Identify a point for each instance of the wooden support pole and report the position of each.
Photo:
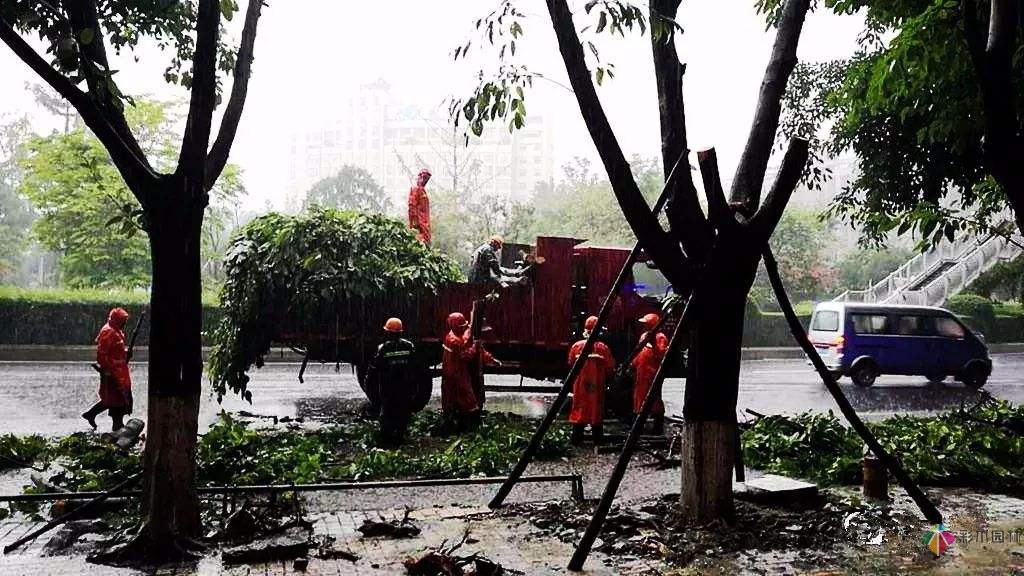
(588, 346)
(579, 556)
(891, 464)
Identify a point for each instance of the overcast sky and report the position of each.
(312, 53)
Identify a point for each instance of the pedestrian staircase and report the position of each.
(930, 278)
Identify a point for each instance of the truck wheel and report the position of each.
(974, 375)
(864, 374)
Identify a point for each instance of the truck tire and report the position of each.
(864, 373)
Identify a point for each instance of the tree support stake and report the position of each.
(891, 463)
(588, 346)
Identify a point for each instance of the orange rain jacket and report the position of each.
(646, 366)
(112, 356)
(588, 388)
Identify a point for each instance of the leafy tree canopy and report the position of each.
(352, 188)
(86, 212)
(909, 105)
(69, 31)
(281, 267)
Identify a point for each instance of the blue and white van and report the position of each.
(863, 341)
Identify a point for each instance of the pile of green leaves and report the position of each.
(233, 452)
(489, 450)
(281, 267)
(953, 448)
(18, 450)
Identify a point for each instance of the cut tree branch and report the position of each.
(658, 244)
(192, 160)
(95, 68)
(768, 216)
(135, 171)
(718, 207)
(218, 157)
(746, 187)
(684, 213)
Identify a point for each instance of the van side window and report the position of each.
(825, 321)
(914, 326)
(948, 328)
(870, 323)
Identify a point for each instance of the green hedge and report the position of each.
(71, 317)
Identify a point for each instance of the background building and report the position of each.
(377, 132)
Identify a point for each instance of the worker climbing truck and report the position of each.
(529, 325)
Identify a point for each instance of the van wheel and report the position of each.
(864, 374)
(974, 375)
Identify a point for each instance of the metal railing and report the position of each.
(964, 271)
(954, 265)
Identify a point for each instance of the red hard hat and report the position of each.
(590, 323)
(118, 317)
(650, 321)
(456, 320)
(393, 325)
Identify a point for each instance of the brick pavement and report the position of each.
(512, 543)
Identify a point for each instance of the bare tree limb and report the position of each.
(192, 160)
(96, 69)
(768, 216)
(135, 170)
(746, 187)
(665, 252)
(218, 157)
(718, 207)
(684, 213)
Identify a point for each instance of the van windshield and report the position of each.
(825, 321)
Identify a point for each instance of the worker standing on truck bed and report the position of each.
(588, 388)
(393, 372)
(654, 345)
(115, 378)
(486, 267)
(459, 406)
(419, 207)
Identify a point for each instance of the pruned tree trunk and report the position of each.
(712, 381)
(175, 372)
(707, 455)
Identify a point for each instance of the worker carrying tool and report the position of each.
(112, 357)
(645, 364)
(419, 207)
(588, 388)
(393, 373)
(459, 407)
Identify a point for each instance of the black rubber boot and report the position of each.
(576, 437)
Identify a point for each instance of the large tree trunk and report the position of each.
(712, 383)
(175, 370)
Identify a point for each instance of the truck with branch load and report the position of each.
(529, 326)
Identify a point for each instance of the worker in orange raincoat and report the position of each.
(115, 379)
(419, 207)
(588, 388)
(645, 364)
(458, 402)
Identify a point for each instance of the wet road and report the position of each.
(47, 398)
